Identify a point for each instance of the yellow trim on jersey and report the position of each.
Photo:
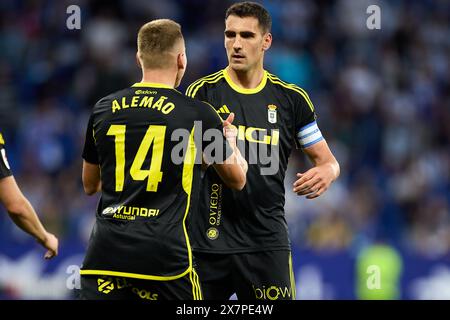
(134, 275)
(235, 87)
(187, 177)
(93, 135)
(192, 91)
(224, 109)
(212, 107)
(151, 84)
(208, 77)
(2, 141)
(292, 278)
(196, 290)
(199, 288)
(206, 81)
(274, 77)
(291, 86)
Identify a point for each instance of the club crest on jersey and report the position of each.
(272, 113)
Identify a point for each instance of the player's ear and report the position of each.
(181, 60)
(267, 41)
(137, 60)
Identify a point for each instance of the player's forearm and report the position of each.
(24, 216)
(91, 182)
(241, 160)
(237, 157)
(231, 174)
(93, 188)
(336, 168)
(332, 165)
(233, 171)
(321, 156)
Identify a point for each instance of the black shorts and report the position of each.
(252, 276)
(120, 288)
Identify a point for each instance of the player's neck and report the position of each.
(246, 79)
(159, 76)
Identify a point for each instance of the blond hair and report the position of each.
(155, 41)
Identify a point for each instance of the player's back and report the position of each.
(148, 179)
(132, 130)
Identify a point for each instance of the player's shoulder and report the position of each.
(284, 86)
(114, 95)
(202, 109)
(290, 89)
(211, 80)
(199, 105)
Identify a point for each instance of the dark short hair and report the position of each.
(251, 9)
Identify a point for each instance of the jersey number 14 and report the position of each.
(154, 136)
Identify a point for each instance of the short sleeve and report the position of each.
(306, 129)
(209, 116)
(197, 91)
(5, 170)
(304, 110)
(89, 151)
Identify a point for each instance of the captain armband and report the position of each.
(309, 135)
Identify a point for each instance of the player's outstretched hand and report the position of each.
(51, 244)
(314, 182)
(229, 130)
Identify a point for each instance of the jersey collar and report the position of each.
(151, 84)
(239, 89)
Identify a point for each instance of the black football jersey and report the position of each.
(270, 119)
(145, 139)
(5, 170)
